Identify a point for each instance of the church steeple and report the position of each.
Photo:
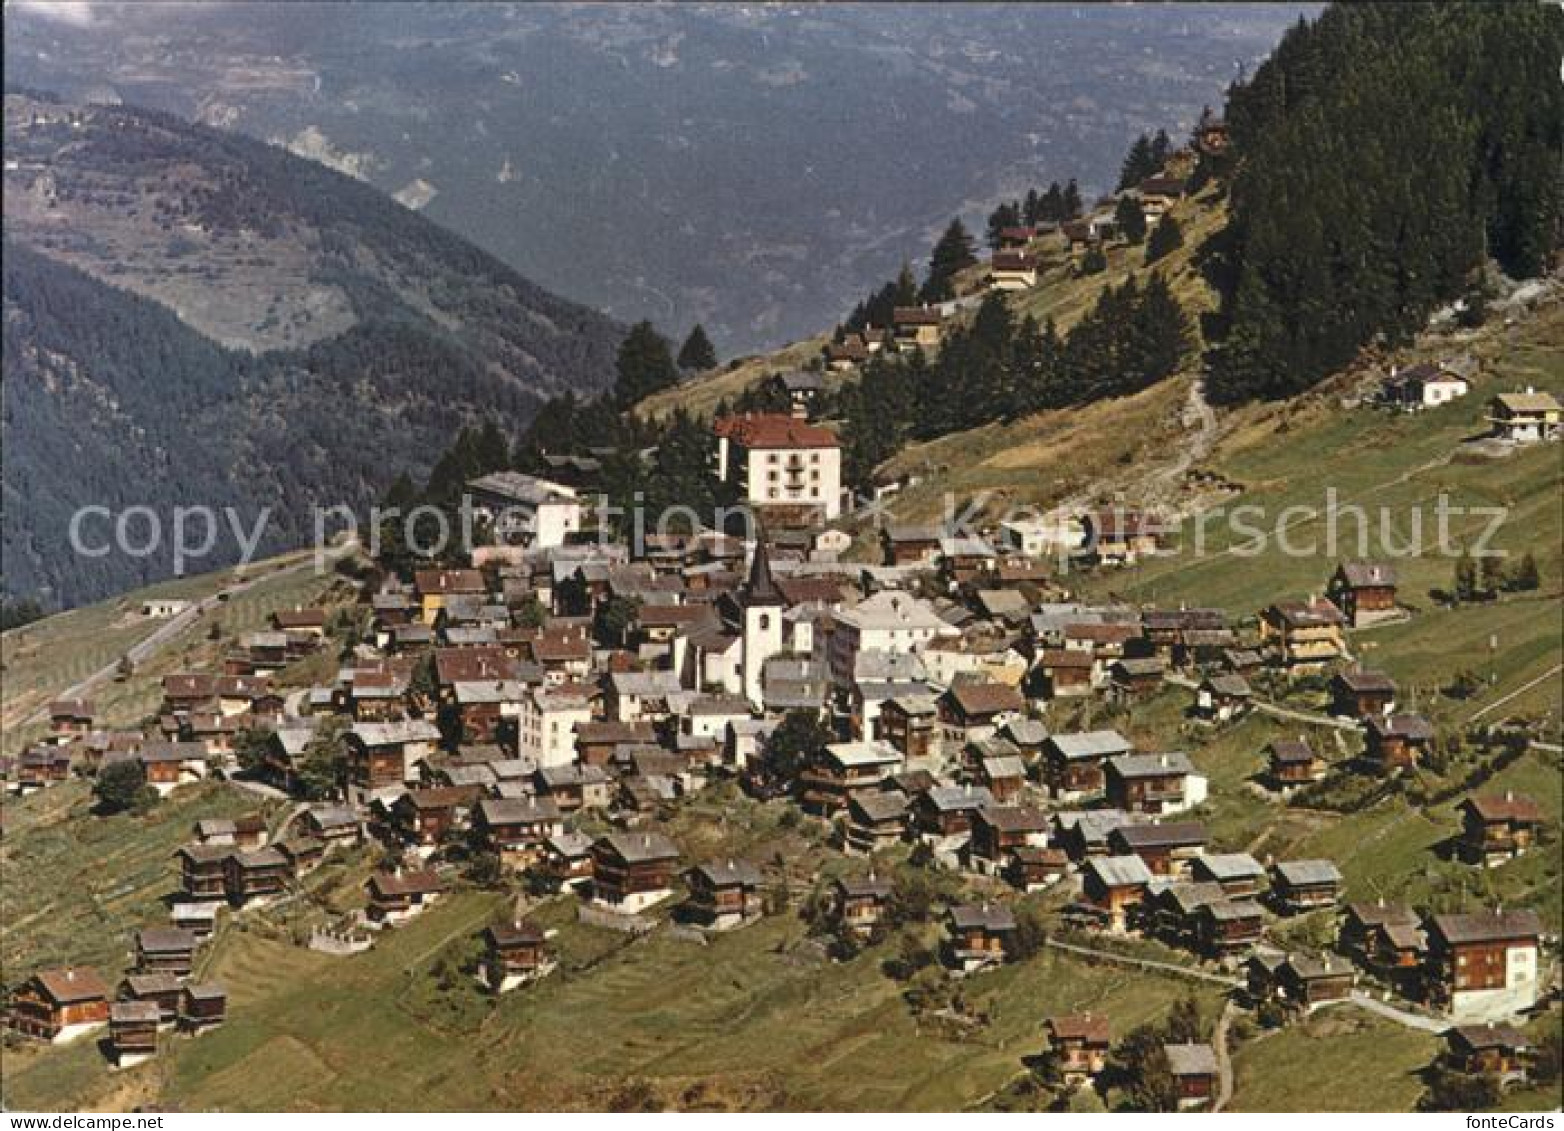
(761, 589)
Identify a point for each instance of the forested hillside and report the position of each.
(193, 317)
(1380, 153)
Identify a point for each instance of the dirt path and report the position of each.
(1521, 690)
(175, 627)
(1224, 1061)
(1144, 963)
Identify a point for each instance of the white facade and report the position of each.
(889, 621)
(546, 727)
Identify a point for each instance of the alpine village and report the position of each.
(1023, 804)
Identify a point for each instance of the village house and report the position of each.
(1119, 537)
(876, 819)
(574, 787)
(332, 824)
(859, 902)
(1112, 887)
(1425, 385)
(202, 870)
(997, 831)
(1078, 1043)
(1292, 762)
(1361, 921)
(385, 754)
(1359, 693)
(426, 818)
(1002, 773)
(723, 894)
(70, 719)
(1222, 697)
(513, 954)
(1498, 829)
(165, 950)
(1303, 636)
(1134, 677)
(258, 875)
(399, 895)
(1299, 886)
(1158, 194)
(1484, 966)
(799, 388)
(1239, 875)
(910, 545)
(202, 1006)
(523, 510)
(789, 470)
(1012, 271)
(41, 767)
(1300, 983)
(517, 828)
(547, 721)
(1166, 849)
(1225, 927)
(168, 765)
(1194, 1071)
(1396, 742)
(973, 710)
(1075, 765)
(1365, 592)
(633, 871)
(842, 769)
(910, 724)
(434, 587)
(567, 859)
(942, 815)
(1159, 784)
(1525, 418)
(916, 326)
(1491, 1049)
(979, 935)
(162, 990)
(59, 1005)
(133, 1027)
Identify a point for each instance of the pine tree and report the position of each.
(1165, 238)
(1005, 216)
(952, 254)
(1139, 163)
(1070, 207)
(644, 366)
(1095, 261)
(697, 354)
(1051, 207)
(1031, 208)
(1130, 218)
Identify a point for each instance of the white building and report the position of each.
(889, 621)
(778, 461)
(526, 510)
(1047, 536)
(546, 725)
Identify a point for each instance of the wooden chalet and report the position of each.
(1151, 783)
(517, 828)
(1194, 1071)
(59, 1005)
(397, 896)
(1293, 762)
(202, 871)
(1365, 592)
(163, 990)
(1075, 765)
(633, 871)
(1112, 886)
(1396, 742)
(1303, 636)
(1167, 849)
(910, 724)
(1358, 693)
(1490, 1049)
(876, 819)
(165, 950)
(202, 1006)
(723, 894)
(1079, 1044)
(133, 1027)
(1495, 829)
(1299, 886)
(842, 769)
(261, 874)
(979, 934)
(1066, 673)
(1226, 927)
(859, 902)
(513, 954)
(1485, 964)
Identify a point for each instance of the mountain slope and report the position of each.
(197, 318)
(751, 166)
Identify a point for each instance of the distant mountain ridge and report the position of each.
(196, 317)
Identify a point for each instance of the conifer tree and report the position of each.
(1127, 214)
(697, 354)
(644, 366)
(1165, 238)
(952, 254)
